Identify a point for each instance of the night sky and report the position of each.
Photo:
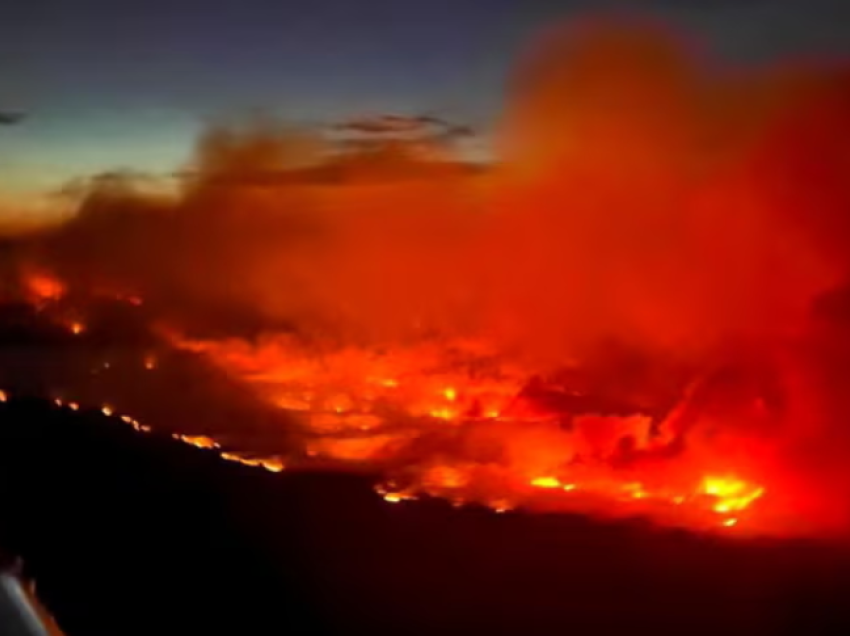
(109, 83)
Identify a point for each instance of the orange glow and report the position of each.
(353, 414)
(546, 482)
(198, 441)
(732, 495)
(77, 328)
(42, 288)
(528, 336)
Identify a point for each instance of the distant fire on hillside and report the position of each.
(638, 307)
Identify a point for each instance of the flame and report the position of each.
(439, 420)
(198, 441)
(448, 429)
(546, 482)
(732, 494)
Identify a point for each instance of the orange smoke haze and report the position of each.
(643, 196)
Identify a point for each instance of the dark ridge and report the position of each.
(131, 534)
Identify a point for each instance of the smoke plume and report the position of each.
(642, 194)
(644, 199)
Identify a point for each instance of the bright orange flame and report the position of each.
(546, 482)
(491, 446)
(198, 441)
(732, 495)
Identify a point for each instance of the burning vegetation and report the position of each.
(623, 314)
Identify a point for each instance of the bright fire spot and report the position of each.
(732, 495)
(3, 396)
(150, 363)
(636, 491)
(198, 441)
(546, 482)
(271, 464)
(73, 406)
(450, 393)
(501, 506)
(107, 410)
(57, 401)
(397, 497)
(730, 522)
(77, 328)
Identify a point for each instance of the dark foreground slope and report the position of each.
(131, 534)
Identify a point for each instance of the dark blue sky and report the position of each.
(111, 83)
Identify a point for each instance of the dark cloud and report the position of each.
(9, 118)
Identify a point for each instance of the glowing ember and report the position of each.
(77, 328)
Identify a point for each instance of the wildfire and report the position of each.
(456, 430)
(452, 420)
(732, 495)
